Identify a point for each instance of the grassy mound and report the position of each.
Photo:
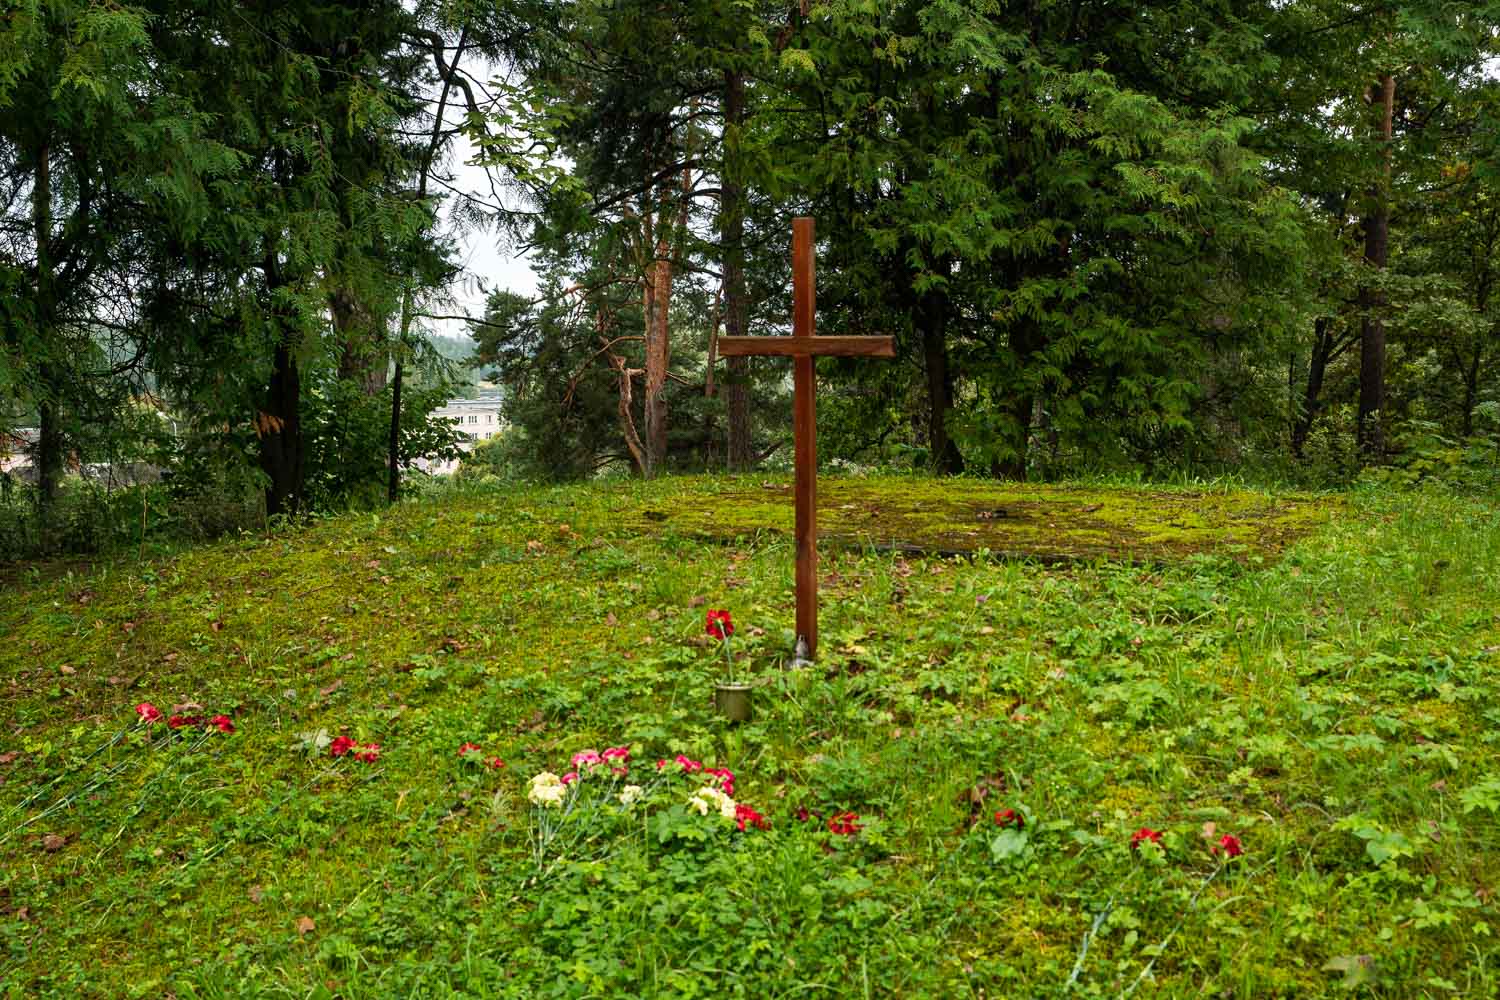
(1331, 708)
(1047, 523)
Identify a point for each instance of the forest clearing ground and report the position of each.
(1318, 680)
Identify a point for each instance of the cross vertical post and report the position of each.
(805, 436)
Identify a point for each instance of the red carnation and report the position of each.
(718, 624)
(496, 763)
(183, 721)
(1009, 817)
(148, 712)
(725, 776)
(1143, 834)
(341, 746)
(468, 748)
(743, 814)
(1230, 844)
(222, 723)
(844, 824)
(369, 754)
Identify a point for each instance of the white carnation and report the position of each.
(547, 789)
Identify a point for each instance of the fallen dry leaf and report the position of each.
(54, 842)
(257, 894)
(65, 669)
(325, 692)
(8, 756)
(534, 546)
(653, 615)
(217, 626)
(305, 926)
(697, 602)
(611, 620)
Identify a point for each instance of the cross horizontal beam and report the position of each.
(807, 347)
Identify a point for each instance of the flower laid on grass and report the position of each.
(845, 824)
(688, 766)
(222, 723)
(1009, 817)
(1144, 834)
(465, 749)
(1230, 845)
(496, 763)
(743, 815)
(365, 753)
(149, 713)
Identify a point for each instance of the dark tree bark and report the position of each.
(49, 446)
(361, 336)
(732, 238)
(280, 428)
(1372, 301)
(947, 460)
(393, 447)
(1312, 392)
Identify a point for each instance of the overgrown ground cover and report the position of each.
(1332, 705)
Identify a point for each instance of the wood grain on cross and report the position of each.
(802, 346)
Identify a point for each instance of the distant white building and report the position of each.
(477, 419)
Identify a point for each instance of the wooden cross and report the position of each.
(802, 346)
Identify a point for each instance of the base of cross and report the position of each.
(802, 347)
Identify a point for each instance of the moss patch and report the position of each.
(1048, 523)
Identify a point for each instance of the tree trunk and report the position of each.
(393, 447)
(945, 456)
(1372, 301)
(732, 240)
(361, 339)
(1317, 368)
(49, 446)
(280, 428)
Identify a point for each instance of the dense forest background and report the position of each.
(1157, 238)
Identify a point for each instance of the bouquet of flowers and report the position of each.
(586, 813)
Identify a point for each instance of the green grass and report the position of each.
(1328, 694)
